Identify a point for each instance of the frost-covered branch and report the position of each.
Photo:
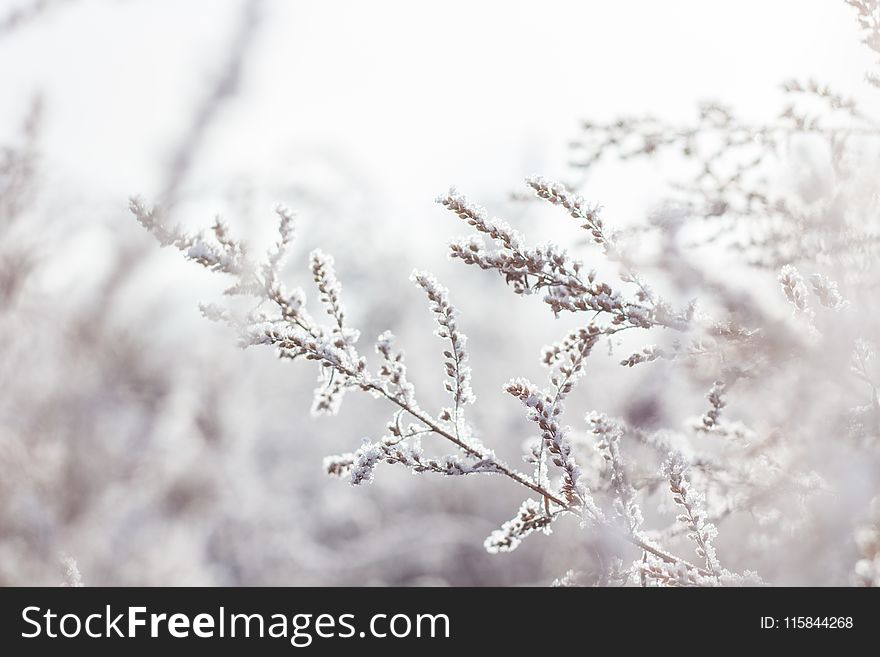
(549, 268)
(296, 334)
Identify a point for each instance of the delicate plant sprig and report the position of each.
(557, 194)
(544, 411)
(459, 374)
(717, 403)
(608, 434)
(869, 22)
(648, 353)
(702, 532)
(565, 360)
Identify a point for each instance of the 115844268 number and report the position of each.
(807, 622)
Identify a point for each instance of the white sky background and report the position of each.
(409, 97)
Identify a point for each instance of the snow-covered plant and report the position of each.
(295, 333)
(748, 409)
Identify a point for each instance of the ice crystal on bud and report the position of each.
(364, 462)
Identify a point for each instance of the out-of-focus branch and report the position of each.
(27, 14)
(225, 87)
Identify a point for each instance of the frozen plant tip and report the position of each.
(529, 519)
(701, 532)
(72, 576)
(458, 373)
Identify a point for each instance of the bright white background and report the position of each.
(410, 96)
